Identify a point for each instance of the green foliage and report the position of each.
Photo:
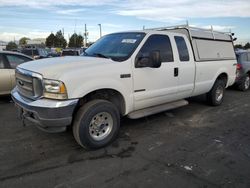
(76, 41)
(50, 40)
(11, 46)
(60, 41)
(23, 41)
(239, 46)
(56, 41)
(247, 46)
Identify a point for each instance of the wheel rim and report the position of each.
(219, 93)
(247, 82)
(100, 126)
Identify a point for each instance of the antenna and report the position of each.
(85, 35)
(75, 27)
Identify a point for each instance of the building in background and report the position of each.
(37, 41)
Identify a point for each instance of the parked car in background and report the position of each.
(243, 70)
(8, 62)
(53, 52)
(72, 52)
(35, 53)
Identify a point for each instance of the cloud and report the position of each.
(178, 10)
(110, 25)
(70, 11)
(165, 11)
(11, 36)
(50, 3)
(157, 10)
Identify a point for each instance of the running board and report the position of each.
(156, 109)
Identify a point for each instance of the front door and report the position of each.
(153, 86)
(5, 78)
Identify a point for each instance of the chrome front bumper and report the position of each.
(48, 115)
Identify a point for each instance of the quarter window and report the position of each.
(182, 48)
(159, 43)
(15, 60)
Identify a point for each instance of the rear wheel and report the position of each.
(245, 84)
(96, 124)
(216, 94)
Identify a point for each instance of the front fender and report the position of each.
(125, 89)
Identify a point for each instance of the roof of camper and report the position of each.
(195, 32)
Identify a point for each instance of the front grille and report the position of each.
(29, 84)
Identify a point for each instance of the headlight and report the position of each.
(54, 89)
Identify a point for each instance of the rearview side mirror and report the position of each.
(153, 60)
(156, 59)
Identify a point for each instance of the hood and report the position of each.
(53, 68)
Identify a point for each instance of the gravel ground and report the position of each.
(193, 146)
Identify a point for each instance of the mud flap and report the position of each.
(21, 115)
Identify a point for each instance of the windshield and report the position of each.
(117, 46)
(30, 52)
(70, 53)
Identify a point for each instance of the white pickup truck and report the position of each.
(134, 74)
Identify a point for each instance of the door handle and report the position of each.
(176, 71)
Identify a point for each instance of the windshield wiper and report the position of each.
(101, 55)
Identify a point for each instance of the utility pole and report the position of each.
(85, 36)
(100, 26)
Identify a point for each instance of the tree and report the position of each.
(11, 46)
(50, 41)
(238, 46)
(23, 41)
(76, 41)
(57, 40)
(60, 41)
(247, 46)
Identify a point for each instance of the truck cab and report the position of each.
(134, 74)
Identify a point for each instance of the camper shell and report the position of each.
(207, 44)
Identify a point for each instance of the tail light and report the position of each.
(238, 66)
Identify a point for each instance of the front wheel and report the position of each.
(96, 124)
(216, 94)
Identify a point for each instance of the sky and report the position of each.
(37, 19)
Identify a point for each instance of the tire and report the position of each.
(216, 94)
(245, 83)
(96, 124)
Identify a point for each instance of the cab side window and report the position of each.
(159, 43)
(182, 48)
(15, 60)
